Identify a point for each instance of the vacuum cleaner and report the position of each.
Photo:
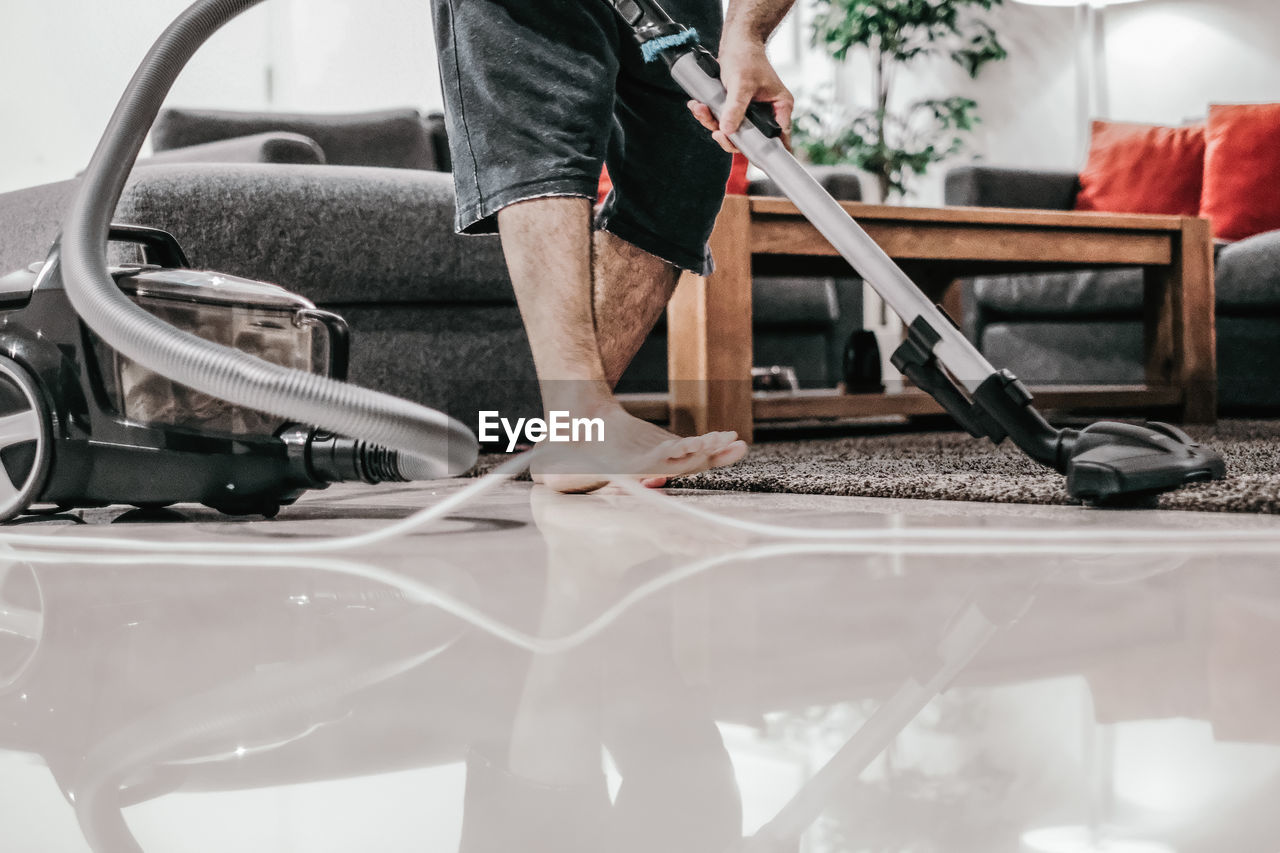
(151, 384)
(84, 425)
(1106, 462)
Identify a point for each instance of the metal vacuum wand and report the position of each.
(986, 613)
(970, 632)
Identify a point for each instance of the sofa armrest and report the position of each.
(276, 147)
(1248, 275)
(992, 186)
(842, 182)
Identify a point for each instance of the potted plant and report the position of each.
(897, 143)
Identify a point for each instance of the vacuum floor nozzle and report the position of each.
(1111, 463)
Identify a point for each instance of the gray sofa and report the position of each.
(432, 314)
(1086, 327)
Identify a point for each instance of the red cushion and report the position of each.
(1141, 168)
(736, 185)
(606, 184)
(1242, 170)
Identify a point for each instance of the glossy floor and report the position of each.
(591, 673)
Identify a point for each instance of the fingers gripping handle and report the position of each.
(866, 257)
(651, 24)
(760, 115)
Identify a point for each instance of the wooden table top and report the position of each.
(978, 235)
(769, 206)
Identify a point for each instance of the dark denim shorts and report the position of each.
(539, 93)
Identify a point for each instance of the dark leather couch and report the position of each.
(1086, 327)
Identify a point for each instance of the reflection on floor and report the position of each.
(584, 673)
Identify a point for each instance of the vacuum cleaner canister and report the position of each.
(261, 319)
(82, 425)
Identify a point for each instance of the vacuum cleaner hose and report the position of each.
(440, 445)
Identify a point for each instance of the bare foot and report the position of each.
(633, 448)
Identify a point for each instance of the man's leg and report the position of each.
(631, 290)
(547, 243)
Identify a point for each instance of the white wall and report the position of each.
(64, 63)
(1167, 60)
(354, 54)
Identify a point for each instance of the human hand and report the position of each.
(748, 76)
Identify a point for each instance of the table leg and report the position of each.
(709, 334)
(1180, 324)
(939, 284)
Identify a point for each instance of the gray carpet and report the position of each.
(953, 466)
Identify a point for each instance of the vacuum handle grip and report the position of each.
(649, 20)
(759, 113)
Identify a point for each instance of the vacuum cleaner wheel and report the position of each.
(24, 439)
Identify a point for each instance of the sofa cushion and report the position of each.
(996, 186)
(1138, 168)
(336, 235)
(790, 303)
(460, 359)
(1090, 352)
(1111, 352)
(1102, 293)
(1248, 274)
(29, 221)
(394, 138)
(1242, 162)
(1247, 279)
(779, 302)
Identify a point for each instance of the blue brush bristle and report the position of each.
(653, 48)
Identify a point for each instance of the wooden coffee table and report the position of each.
(709, 319)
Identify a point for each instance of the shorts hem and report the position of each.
(678, 256)
(481, 218)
